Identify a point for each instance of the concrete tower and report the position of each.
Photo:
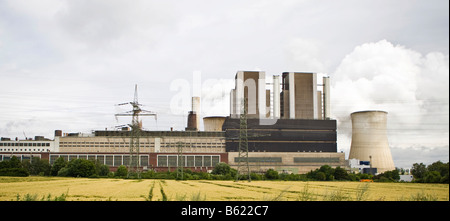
(196, 108)
(326, 98)
(276, 96)
(250, 85)
(299, 96)
(369, 140)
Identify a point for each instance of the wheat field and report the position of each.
(86, 189)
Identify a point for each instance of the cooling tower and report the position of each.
(369, 140)
(213, 123)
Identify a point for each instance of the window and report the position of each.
(190, 161)
(101, 159)
(162, 161)
(126, 160)
(215, 160)
(207, 161)
(109, 160)
(198, 161)
(172, 160)
(144, 160)
(117, 160)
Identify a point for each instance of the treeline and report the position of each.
(37, 166)
(437, 172)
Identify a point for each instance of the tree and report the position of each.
(103, 170)
(81, 168)
(441, 168)
(418, 171)
(39, 166)
(122, 171)
(340, 174)
(271, 174)
(432, 177)
(221, 169)
(328, 171)
(388, 176)
(321, 176)
(14, 162)
(58, 165)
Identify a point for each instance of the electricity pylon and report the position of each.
(180, 163)
(136, 127)
(243, 166)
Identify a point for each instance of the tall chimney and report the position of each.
(192, 121)
(326, 98)
(196, 108)
(276, 96)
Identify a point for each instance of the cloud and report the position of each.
(304, 54)
(411, 87)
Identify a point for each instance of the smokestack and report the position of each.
(276, 96)
(326, 98)
(196, 109)
(192, 121)
(369, 140)
(58, 133)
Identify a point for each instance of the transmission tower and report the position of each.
(180, 163)
(243, 166)
(136, 128)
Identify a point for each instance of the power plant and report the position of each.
(285, 125)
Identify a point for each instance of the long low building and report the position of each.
(286, 149)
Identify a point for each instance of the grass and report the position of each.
(85, 189)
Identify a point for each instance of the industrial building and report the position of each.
(298, 135)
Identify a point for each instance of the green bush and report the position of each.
(271, 174)
(221, 169)
(81, 168)
(20, 172)
(63, 172)
(122, 171)
(57, 166)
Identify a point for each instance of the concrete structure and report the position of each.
(214, 123)
(288, 162)
(29, 146)
(112, 148)
(406, 178)
(196, 108)
(285, 135)
(357, 166)
(326, 98)
(192, 121)
(276, 97)
(369, 139)
(250, 85)
(299, 96)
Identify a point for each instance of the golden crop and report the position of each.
(85, 189)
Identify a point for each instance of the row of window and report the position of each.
(188, 160)
(24, 144)
(110, 160)
(20, 157)
(296, 159)
(147, 146)
(173, 143)
(162, 160)
(24, 150)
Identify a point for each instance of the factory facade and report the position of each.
(288, 129)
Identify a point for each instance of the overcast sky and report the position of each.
(65, 64)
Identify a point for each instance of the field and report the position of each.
(85, 189)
